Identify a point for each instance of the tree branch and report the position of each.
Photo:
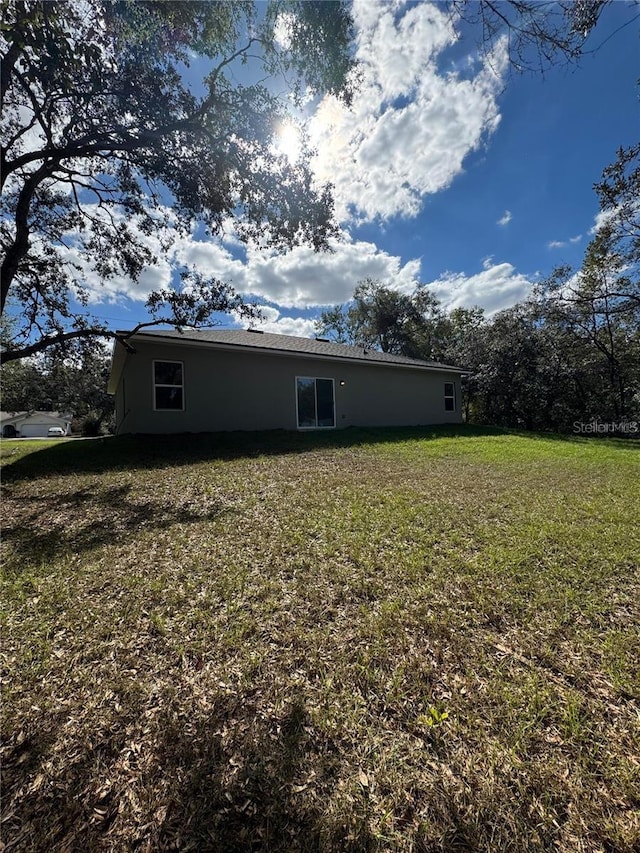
(20, 245)
(105, 145)
(46, 342)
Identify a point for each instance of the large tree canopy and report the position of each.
(109, 140)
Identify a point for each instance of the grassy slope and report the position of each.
(371, 641)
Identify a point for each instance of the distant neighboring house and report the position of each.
(209, 381)
(33, 424)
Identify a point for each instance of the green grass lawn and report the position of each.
(356, 641)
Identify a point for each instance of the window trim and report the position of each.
(333, 392)
(451, 396)
(155, 385)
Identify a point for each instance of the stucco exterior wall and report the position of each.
(244, 390)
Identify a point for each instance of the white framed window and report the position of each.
(168, 386)
(449, 396)
(315, 403)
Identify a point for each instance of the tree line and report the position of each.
(76, 385)
(569, 353)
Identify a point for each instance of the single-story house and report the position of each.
(209, 381)
(33, 424)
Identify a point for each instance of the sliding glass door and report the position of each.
(315, 403)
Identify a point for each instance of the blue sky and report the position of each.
(449, 170)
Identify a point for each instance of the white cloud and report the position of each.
(561, 244)
(601, 218)
(411, 126)
(495, 288)
(274, 321)
(505, 219)
(302, 278)
(298, 279)
(210, 258)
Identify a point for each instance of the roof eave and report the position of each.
(440, 368)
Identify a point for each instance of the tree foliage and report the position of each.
(111, 147)
(599, 304)
(384, 318)
(76, 386)
(618, 234)
(569, 352)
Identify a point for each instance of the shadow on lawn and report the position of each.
(50, 525)
(231, 781)
(147, 452)
(255, 799)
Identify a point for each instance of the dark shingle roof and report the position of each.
(289, 344)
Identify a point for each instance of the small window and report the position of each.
(168, 386)
(449, 397)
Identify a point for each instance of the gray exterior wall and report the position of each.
(245, 390)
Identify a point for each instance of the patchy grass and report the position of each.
(364, 641)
